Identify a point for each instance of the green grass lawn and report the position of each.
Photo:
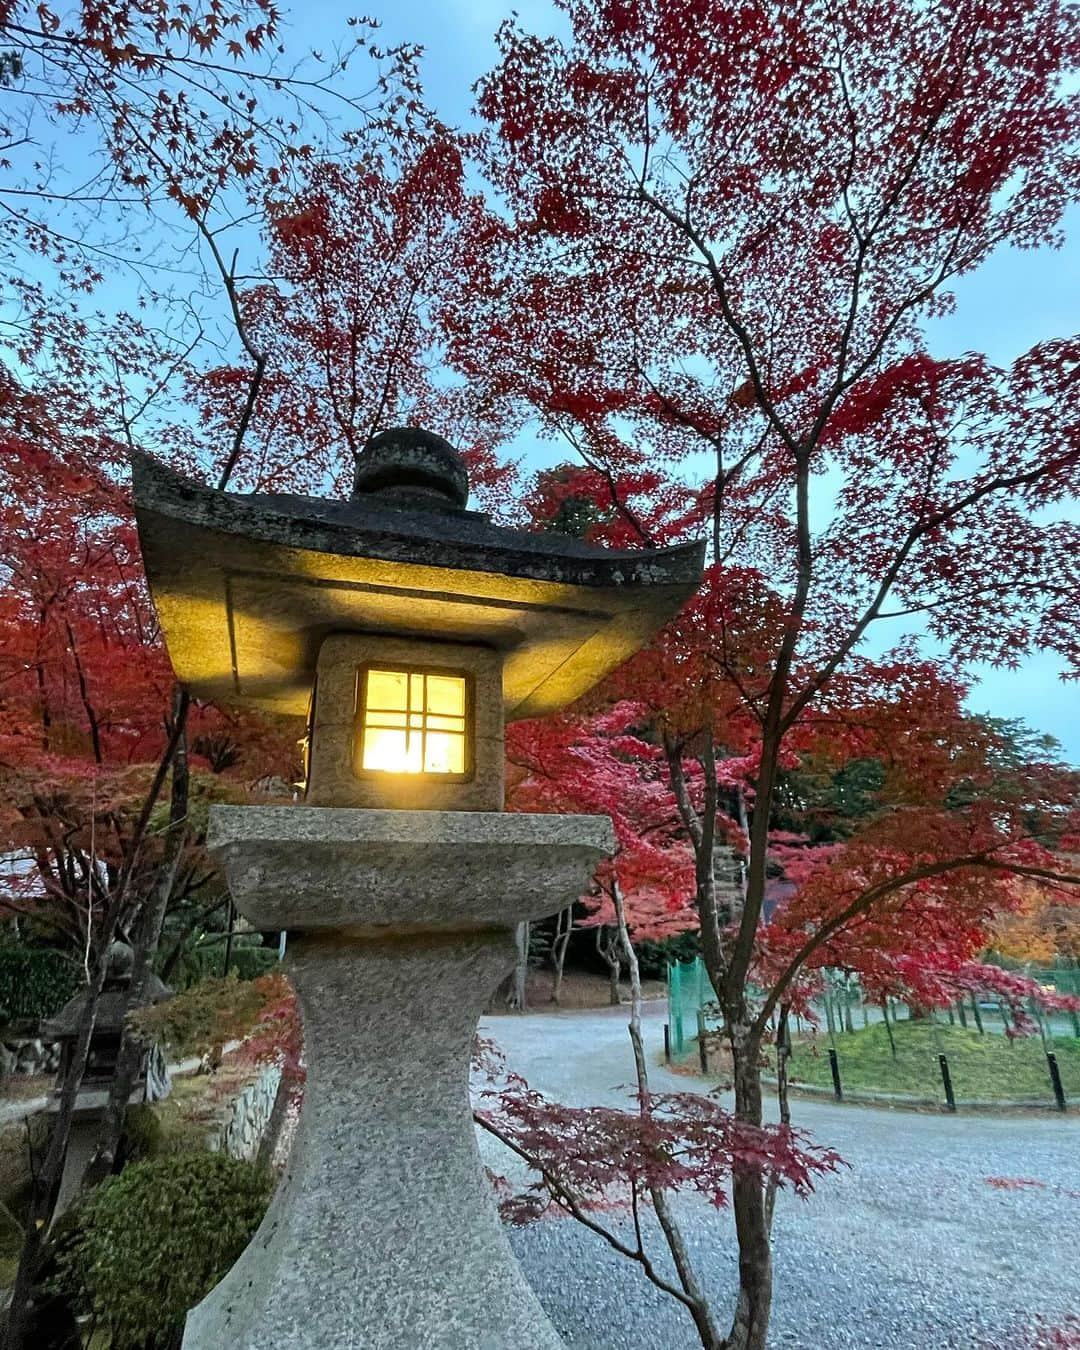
(983, 1068)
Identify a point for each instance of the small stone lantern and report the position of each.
(152, 1082)
(406, 629)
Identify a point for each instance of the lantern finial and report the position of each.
(407, 465)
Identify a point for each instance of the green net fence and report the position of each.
(889, 1052)
(688, 990)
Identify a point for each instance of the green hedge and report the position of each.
(205, 960)
(655, 957)
(35, 982)
(148, 1244)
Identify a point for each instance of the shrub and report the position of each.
(210, 1013)
(203, 960)
(148, 1244)
(655, 957)
(142, 1137)
(35, 982)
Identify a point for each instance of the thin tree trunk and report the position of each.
(517, 997)
(46, 719)
(564, 926)
(280, 1109)
(750, 1325)
(699, 1307)
(1037, 1015)
(608, 948)
(84, 695)
(783, 1054)
(132, 1048)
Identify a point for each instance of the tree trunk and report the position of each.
(517, 998)
(564, 926)
(132, 1048)
(829, 1021)
(278, 1112)
(608, 947)
(783, 1100)
(750, 1324)
(699, 1307)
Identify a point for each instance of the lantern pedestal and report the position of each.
(383, 1234)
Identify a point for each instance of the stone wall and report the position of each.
(242, 1123)
(28, 1055)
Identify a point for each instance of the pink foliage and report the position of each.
(674, 1142)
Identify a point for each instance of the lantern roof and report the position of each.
(247, 586)
(113, 1003)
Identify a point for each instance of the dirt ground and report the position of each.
(580, 989)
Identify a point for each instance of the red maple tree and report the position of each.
(721, 235)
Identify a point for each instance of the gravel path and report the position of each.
(909, 1250)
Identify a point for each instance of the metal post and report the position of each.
(229, 936)
(946, 1078)
(667, 1042)
(834, 1065)
(1055, 1078)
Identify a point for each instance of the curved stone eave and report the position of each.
(246, 591)
(452, 539)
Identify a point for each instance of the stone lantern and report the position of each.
(406, 629)
(151, 1083)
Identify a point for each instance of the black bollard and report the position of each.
(946, 1078)
(834, 1065)
(667, 1042)
(1055, 1078)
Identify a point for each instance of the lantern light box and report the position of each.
(408, 724)
(413, 721)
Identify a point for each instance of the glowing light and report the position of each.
(413, 722)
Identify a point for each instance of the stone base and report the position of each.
(383, 1234)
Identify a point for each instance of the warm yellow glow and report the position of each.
(413, 722)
